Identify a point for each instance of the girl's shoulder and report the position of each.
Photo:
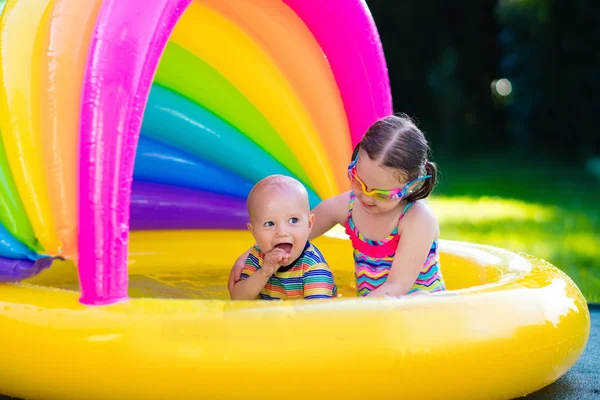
(344, 198)
(419, 214)
(338, 206)
(329, 212)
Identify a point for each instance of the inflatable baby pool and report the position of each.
(509, 325)
(158, 116)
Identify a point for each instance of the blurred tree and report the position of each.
(447, 93)
(552, 58)
(442, 57)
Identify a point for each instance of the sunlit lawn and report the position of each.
(547, 211)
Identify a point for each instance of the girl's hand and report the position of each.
(420, 293)
(411, 253)
(236, 272)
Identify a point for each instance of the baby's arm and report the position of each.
(250, 286)
(318, 282)
(256, 273)
(411, 253)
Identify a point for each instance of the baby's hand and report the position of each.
(273, 260)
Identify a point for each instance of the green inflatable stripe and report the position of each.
(173, 119)
(12, 213)
(186, 74)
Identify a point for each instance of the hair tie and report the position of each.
(426, 162)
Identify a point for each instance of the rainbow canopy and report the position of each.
(162, 114)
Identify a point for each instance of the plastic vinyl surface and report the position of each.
(202, 133)
(16, 227)
(12, 212)
(12, 270)
(505, 316)
(115, 93)
(160, 163)
(277, 29)
(348, 36)
(184, 73)
(20, 75)
(155, 206)
(10, 247)
(64, 54)
(261, 82)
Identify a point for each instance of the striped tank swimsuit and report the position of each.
(373, 260)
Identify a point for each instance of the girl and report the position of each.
(394, 233)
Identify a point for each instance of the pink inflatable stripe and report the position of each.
(348, 36)
(127, 43)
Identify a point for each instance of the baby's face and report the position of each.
(281, 218)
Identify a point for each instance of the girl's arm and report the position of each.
(236, 271)
(327, 214)
(421, 229)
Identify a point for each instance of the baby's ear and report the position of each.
(311, 220)
(250, 228)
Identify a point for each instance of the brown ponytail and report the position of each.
(426, 186)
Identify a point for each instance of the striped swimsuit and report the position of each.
(373, 260)
(309, 277)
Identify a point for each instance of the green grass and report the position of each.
(549, 211)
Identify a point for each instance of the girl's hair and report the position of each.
(397, 143)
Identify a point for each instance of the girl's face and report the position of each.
(369, 176)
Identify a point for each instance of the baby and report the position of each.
(283, 264)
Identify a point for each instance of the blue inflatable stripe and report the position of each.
(159, 163)
(180, 123)
(12, 248)
(191, 77)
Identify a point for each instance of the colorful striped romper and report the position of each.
(373, 260)
(309, 277)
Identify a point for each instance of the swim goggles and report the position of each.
(380, 194)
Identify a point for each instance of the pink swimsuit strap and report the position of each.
(375, 250)
(382, 250)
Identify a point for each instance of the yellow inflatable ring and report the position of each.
(510, 325)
